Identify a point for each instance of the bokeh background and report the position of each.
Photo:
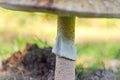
(97, 40)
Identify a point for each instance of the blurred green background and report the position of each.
(97, 40)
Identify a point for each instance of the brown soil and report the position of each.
(39, 64)
(32, 62)
(99, 74)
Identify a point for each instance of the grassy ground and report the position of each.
(97, 40)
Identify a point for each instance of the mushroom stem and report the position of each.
(65, 49)
(65, 46)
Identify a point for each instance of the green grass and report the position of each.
(97, 55)
(105, 50)
(7, 48)
(98, 52)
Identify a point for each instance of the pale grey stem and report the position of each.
(65, 49)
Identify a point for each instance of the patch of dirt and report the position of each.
(32, 62)
(39, 64)
(99, 74)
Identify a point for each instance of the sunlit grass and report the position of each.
(90, 55)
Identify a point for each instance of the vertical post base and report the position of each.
(65, 69)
